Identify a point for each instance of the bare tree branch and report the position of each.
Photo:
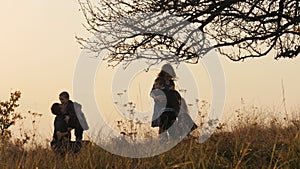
(237, 29)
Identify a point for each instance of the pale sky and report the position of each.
(39, 52)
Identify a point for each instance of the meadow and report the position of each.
(249, 143)
(248, 146)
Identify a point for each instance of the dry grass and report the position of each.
(247, 146)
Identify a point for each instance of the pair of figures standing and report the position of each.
(169, 105)
(67, 118)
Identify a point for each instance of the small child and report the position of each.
(61, 130)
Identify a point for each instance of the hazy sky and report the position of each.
(39, 52)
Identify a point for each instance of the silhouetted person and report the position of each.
(166, 76)
(168, 103)
(68, 107)
(61, 134)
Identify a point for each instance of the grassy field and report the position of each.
(249, 142)
(245, 146)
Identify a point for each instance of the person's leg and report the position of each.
(163, 123)
(63, 136)
(56, 127)
(170, 120)
(160, 130)
(74, 123)
(78, 132)
(74, 146)
(167, 120)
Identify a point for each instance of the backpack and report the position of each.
(80, 116)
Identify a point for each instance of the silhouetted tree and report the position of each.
(237, 29)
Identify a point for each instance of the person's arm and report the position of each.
(67, 118)
(77, 107)
(159, 97)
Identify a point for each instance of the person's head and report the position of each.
(168, 71)
(64, 97)
(159, 83)
(55, 109)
